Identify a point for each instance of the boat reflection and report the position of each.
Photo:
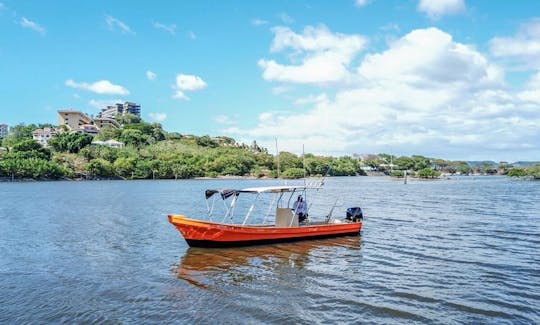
(202, 266)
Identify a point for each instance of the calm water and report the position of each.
(465, 250)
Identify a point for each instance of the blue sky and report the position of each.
(455, 79)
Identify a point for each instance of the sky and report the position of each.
(455, 79)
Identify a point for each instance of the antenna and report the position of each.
(277, 155)
(327, 171)
(304, 163)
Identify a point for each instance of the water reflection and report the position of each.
(203, 266)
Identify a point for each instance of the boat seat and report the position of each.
(286, 218)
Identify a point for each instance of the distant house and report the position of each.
(108, 143)
(114, 143)
(42, 136)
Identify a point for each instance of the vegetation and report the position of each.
(424, 167)
(28, 159)
(152, 153)
(530, 172)
(428, 173)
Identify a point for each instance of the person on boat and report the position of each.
(300, 209)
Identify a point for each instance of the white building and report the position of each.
(113, 111)
(43, 135)
(109, 143)
(3, 130)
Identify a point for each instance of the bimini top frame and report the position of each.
(226, 193)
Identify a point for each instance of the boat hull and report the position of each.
(198, 233)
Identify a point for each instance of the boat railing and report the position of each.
(331, 212)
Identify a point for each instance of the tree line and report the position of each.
(150, 152)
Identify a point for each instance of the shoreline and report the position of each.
(446, 177)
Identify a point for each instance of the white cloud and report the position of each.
(432, 58)
(178, 94)
(311, 99)
(114, 24)
(99, 87)
(325, 55)
(281, 89)
(150, 75)
(27, 23)
(102, 103)
(286, 19)
(258, 22)
(438, 8)
(157, 117)
(425, 94)
(186, 82)
(531, 91)
(189, 82)
(225, 119)
(361, 3)
(171, 29)
(524, 46)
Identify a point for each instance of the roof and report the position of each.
(70, 111)
(225, 193)
(114, 143)
(44, 131)
(278, 189)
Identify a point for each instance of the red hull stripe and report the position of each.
(216, 244)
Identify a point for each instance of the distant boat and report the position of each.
(285, 228)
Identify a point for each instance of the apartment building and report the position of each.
(4, 128)
(113, 111)
(73, 119)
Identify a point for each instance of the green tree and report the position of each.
(289, 160)
(373, 161)
(70, 142)
(293, 173)
(404, 162)
(18, 133)
(125, 166)
(108, 132)
(319, 166)
(128, 118)
(133, 137)
(100, 167)
(428, 173)
(345, 166)
(206, 141)
(32, 148)
(517, 172)
(420, 162)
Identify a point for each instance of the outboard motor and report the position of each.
(354, 214)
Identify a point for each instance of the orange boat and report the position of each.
(285, 226)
